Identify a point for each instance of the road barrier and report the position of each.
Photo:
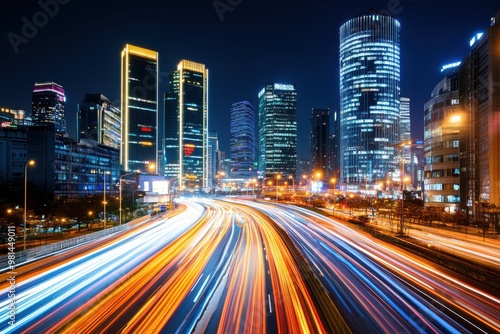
(31, 254)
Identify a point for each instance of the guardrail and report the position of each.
(41, 251)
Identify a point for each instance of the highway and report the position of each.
(381, 288)
(235, 266)
(468, 246)
(211, 268)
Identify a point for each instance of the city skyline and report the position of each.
(308, 58)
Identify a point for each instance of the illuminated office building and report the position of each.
(320, 142)
(12, 117)
(369, 98)
(47, 105)
(479, 94)
(277, 128)
(213, 150)
(66, 169)
(404, 121)
(186, 121)
(99, 120)
(242, 140)
(441, 138)
(139, 109)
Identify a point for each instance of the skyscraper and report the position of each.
(186, 121)
(139, 108)
(277, 130)
(479, 95)
(99, 120)
(405, 134)
(319, 141)
(242, 140)
(213, 150)
(48, 103)
(404, 119)
(335, 146)
(369, 97)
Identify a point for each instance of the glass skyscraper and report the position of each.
(99, 120)
(48, 103)
(405, 121)
(369, 98)
(186, 121)
(139, 107)
(242, 140)
(277, 125)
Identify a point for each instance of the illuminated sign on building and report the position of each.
(476, 38)
(447, 66)
(283, 87)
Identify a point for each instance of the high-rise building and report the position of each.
(335, 147)
(320, 142)
(405, 137)
(369, 98)
(99, 120)
(242, 140)
(186, 121)
(277, 128)
(139, 109)
(48, 103)
(213, 149)
(404, 119)
(479, 94)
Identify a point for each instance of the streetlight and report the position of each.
(121, 194)
(152, 168)
(278, 177)
(333, 181)
(318, 174)
(293, 182)
(29, 163)
(104, 202)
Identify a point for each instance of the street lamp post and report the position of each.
(278, 177)
(318, 174)
(104, 202)
(333, 181)
(401, 224)
(293, 182)
(121, 194)
(29, 163)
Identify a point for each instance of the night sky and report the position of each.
(254, 43)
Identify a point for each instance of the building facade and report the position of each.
(369, 98)
(242, 140)
(66, 169)
(13, 153)
(319, 122)
(277, 129)
(48, 104)
(99, 120)
(441, 139)
(139, 109)
(479, 94)
(12, 117)
(335, 147)
(213, 149)
(186, 126)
